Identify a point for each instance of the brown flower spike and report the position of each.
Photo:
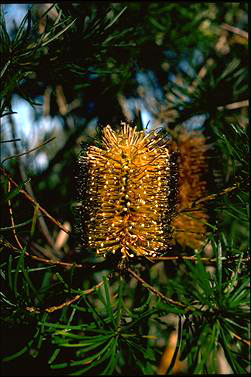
(128, 193)
(190, 227)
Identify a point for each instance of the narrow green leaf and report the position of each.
(56, 36)
(62, 280)
(120, 300)
(108, 300)
(20, 267)
(88, 348)
(116, 18)
(15, 191)
(94, 364)
(146, 352)
(93, 357)
(174, 358)
(219, 269)
(229, 355)
(97, 318)
(113, 360)
(22, 351)
(9, 272)
(34, 219)
(7, 228)
(156, 24)
(27, 278)
(86, 341)
(234, 278)
(54, 355)
(4, 68)
(142, 308)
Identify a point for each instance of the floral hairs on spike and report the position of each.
(128, 193)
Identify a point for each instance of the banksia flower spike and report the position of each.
(128, 193)
(190, 227)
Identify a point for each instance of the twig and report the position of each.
(177, 347)
(43, 260)
(235, 30)
(41, 221)
(201, 74)
(159, 294)
(12, 220)
(234, 105)
(184, 257)
(194, 258)
(42, 251)
(34, 203)
(31, 150)
(208, 198)
(8, 113)
(51, 309)
(59, 156)
(16, 226)
(215, 196)
(9, 141)
(246, 341)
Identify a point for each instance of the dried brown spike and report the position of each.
(126, 197)
(190, 228)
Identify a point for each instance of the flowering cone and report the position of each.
(128, 193)
(189, 227)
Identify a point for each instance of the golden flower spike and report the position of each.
(128, 193)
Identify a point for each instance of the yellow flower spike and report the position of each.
(134, 168)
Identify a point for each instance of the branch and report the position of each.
(9, 141)
(159, 294)
(235, 30)
(34, 203)
(234, 105)
(43, 260)
(41, 220)
(60, 154)
(51, 309)
(195, 258)
(12, 220)
(24, 153)
(193, 205)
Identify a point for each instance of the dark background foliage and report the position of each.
(80, 66)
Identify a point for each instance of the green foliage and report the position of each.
(62, 310)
